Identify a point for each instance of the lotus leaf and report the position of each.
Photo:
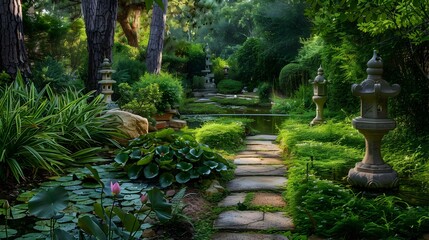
(151, 170)
(166, 179)
(47, 204)
(183, 177)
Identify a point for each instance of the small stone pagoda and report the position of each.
(209, 76)
(319, 96)
(106, 81)
(373, 123)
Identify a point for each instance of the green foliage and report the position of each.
(264, 92)
(201, 108)
(218, 69)
(245, 63)
(47, 204)
(198, 82)
(171, 89)
(236, 101)
(328, 209)
(40, 129)
(4, 78)
(226, 136)
(49, 71)
(229, 86)
(167, 158)
(140, 101)
(183, 57)
(291, 77)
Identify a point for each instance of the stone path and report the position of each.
(258, 183)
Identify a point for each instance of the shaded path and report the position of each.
(260, 172)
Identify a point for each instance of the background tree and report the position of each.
(13, 56)
(156, 38)
(100, 20)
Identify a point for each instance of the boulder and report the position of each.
(131, 124)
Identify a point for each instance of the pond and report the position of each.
(263, 123)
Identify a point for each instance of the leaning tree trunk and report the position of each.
(130, 29)
(156, 38)
(100, 20)
(13, 56)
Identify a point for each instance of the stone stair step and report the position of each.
(255, 160)
(256, 183)
(253, 220)
(262, 137)
(262, 147)
(268, 199)
(232, 200)
(260, 170)
(247, 236)
(258, 142)
(265, 154)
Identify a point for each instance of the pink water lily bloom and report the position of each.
(115, 188)
(144, 198)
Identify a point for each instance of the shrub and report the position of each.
(226, 136)
(218, 69)
(167, 158)
(140, 101)
(264, 92)
(291, 77)
(42, 130)
(229, 86)
(171, 89)
(198, 82)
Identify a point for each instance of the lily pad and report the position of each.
(91, 185)
(73, 188)
(84, 208)
(42, 228)
(127, 203)
(50, 184)
(71, 183)
(26, 196)
(66, 218)
(64, 179)
(131, 197)
(32, 236)
(47, 204)
(68, 227)
(10, 232)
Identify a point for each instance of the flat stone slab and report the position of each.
(258, 142)
(268, 199)
(232, 200)
(262, 147)
(266, 154)
(255, 183)
(257, 161)
(247, 236)
(260, 170)
(262, 137)
(253, 220)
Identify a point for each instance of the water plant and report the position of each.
(168, 157)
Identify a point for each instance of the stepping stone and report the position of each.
(267, 154)
(247, 236)
(262, 137)
(260, 170)
(268, 199)
(254, 183)
(253, 220)
(262, 147)
(258, 142)
(257, 161)
(232, 200)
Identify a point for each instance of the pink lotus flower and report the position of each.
(115, 188)
(144, 198)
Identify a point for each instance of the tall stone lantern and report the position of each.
(319, 96)
(106, 81)
(373, 123)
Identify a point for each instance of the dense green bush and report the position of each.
(226, 136)
(229, 86)
(245, 63)
(140, 101)
(291, 77)
(264, 92)
(167, 158)
(218, 69)
(198, 82)
(170, 87)
(43, 130)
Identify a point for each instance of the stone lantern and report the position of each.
(319, 96)
(106, 80)
(373, 123)
(225, 71)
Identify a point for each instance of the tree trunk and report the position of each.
(100, 20)
(130, 30)
(13, 56)
(156, 38)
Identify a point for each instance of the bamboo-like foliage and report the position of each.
(42, 130)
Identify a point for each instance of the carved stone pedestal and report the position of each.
(320, 102)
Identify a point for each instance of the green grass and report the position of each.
(202, 108)
(236, 101)
(329, 208)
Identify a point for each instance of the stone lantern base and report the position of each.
(373, 176)
(319, 101)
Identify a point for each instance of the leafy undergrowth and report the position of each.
(329, 208)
